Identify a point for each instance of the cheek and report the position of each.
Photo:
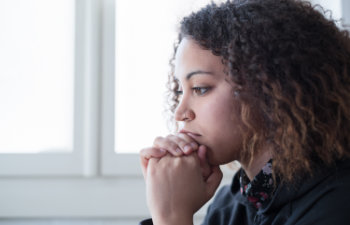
(221, 115)
(214, 115)
(222, 128)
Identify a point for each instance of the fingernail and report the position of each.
(194, 145)
(187, 148)
(162, 150)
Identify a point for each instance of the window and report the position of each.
(36, 89)
(37, 77)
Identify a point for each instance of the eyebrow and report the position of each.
(197, 72)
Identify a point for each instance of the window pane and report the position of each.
(145, 34)
(36, 75)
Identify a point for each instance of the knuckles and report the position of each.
(157, 140)
(169, 136)
(144, 150)
(189, 162)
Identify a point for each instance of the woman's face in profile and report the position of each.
(208, 111)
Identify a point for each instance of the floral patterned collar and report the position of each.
(260, 190)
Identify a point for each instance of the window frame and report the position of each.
(38, 164)
(93, 146)
(112, 163)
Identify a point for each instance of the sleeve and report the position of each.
(146, 222)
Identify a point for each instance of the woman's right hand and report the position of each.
(176, 145)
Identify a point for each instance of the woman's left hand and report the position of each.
(176, 188)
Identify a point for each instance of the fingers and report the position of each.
(168, 145)
(213, 180)
(176, 145)
(205, 167)
(187, 143)
(146, 154)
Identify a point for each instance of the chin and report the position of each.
(215, 161)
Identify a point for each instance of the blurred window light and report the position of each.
(36, 75)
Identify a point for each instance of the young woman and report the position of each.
(266, 83)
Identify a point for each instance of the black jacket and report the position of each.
(323, 199)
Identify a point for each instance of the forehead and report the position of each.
(191, 57)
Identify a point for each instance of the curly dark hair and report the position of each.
(294, 64)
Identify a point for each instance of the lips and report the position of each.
(189, 133)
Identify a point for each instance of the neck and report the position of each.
(257, 164)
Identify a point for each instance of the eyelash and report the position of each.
(197, 90)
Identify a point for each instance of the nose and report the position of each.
(183, 112)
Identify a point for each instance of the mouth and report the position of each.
(189, 133)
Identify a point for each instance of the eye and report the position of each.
(200, 90)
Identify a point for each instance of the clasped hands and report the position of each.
(179, 179)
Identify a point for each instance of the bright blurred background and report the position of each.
(82, 90)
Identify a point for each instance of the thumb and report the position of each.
(213, 181)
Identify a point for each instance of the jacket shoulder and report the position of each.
(328, 202)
